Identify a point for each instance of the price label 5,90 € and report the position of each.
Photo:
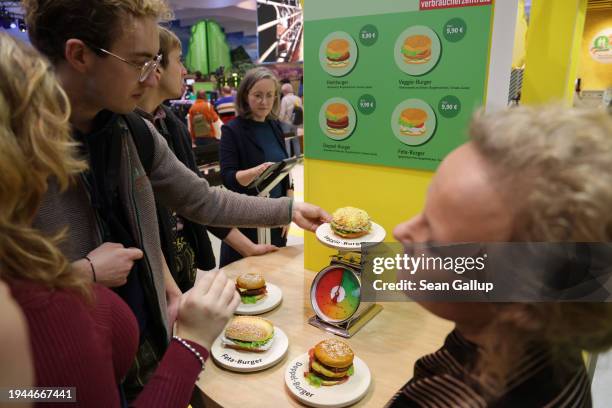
(449, 106)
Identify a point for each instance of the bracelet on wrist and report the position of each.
(192, 349)
(93, 270)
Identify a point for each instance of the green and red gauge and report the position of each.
(335, 294)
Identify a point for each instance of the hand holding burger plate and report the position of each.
(349, 228)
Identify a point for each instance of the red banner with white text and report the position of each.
(441, 4)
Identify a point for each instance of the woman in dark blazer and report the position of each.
(250, 143)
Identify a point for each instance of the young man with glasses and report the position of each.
(104, 53)
(145, 69)
(185, 244)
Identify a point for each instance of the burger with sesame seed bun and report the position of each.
(248, 333)
(330, 363)
(350, 222)
(251, 287)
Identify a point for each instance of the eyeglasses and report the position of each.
(261, 98)
(145, 69)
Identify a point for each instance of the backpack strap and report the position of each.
(143, 139)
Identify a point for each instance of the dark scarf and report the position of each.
(102, 147)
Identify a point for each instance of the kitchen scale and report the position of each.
(335, 294)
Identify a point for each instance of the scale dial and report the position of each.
(335, 294)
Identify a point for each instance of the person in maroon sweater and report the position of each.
(15, 357)
(82, 335)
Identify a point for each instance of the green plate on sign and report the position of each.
(421, 53)
(341, 43)
(422, 132)
(338, 133)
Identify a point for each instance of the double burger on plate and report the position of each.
(330, 363)
(412, 122)
(337, 53)
(252, 287)
(350, 222)
(248, 333)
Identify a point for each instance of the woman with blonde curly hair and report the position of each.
(82, 334)
(526, 175)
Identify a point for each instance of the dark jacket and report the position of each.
(174, 185)
(240, 151)
(179, 140)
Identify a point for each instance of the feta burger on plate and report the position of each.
(330, 363)
(350, 222)
(251, 287)
(248, 333)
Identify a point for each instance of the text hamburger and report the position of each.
(336, 115)
(330, 363)
(412, 122)
(337, 53)
(350, 222)
(248, 333)
(416, 49)
(252, 287)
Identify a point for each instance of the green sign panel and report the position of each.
(393, 88)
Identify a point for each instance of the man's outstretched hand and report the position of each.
(308, 216)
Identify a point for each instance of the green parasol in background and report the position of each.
(208, 49)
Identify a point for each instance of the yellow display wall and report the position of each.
(554, 38)
(520, 37)
(595, 75)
